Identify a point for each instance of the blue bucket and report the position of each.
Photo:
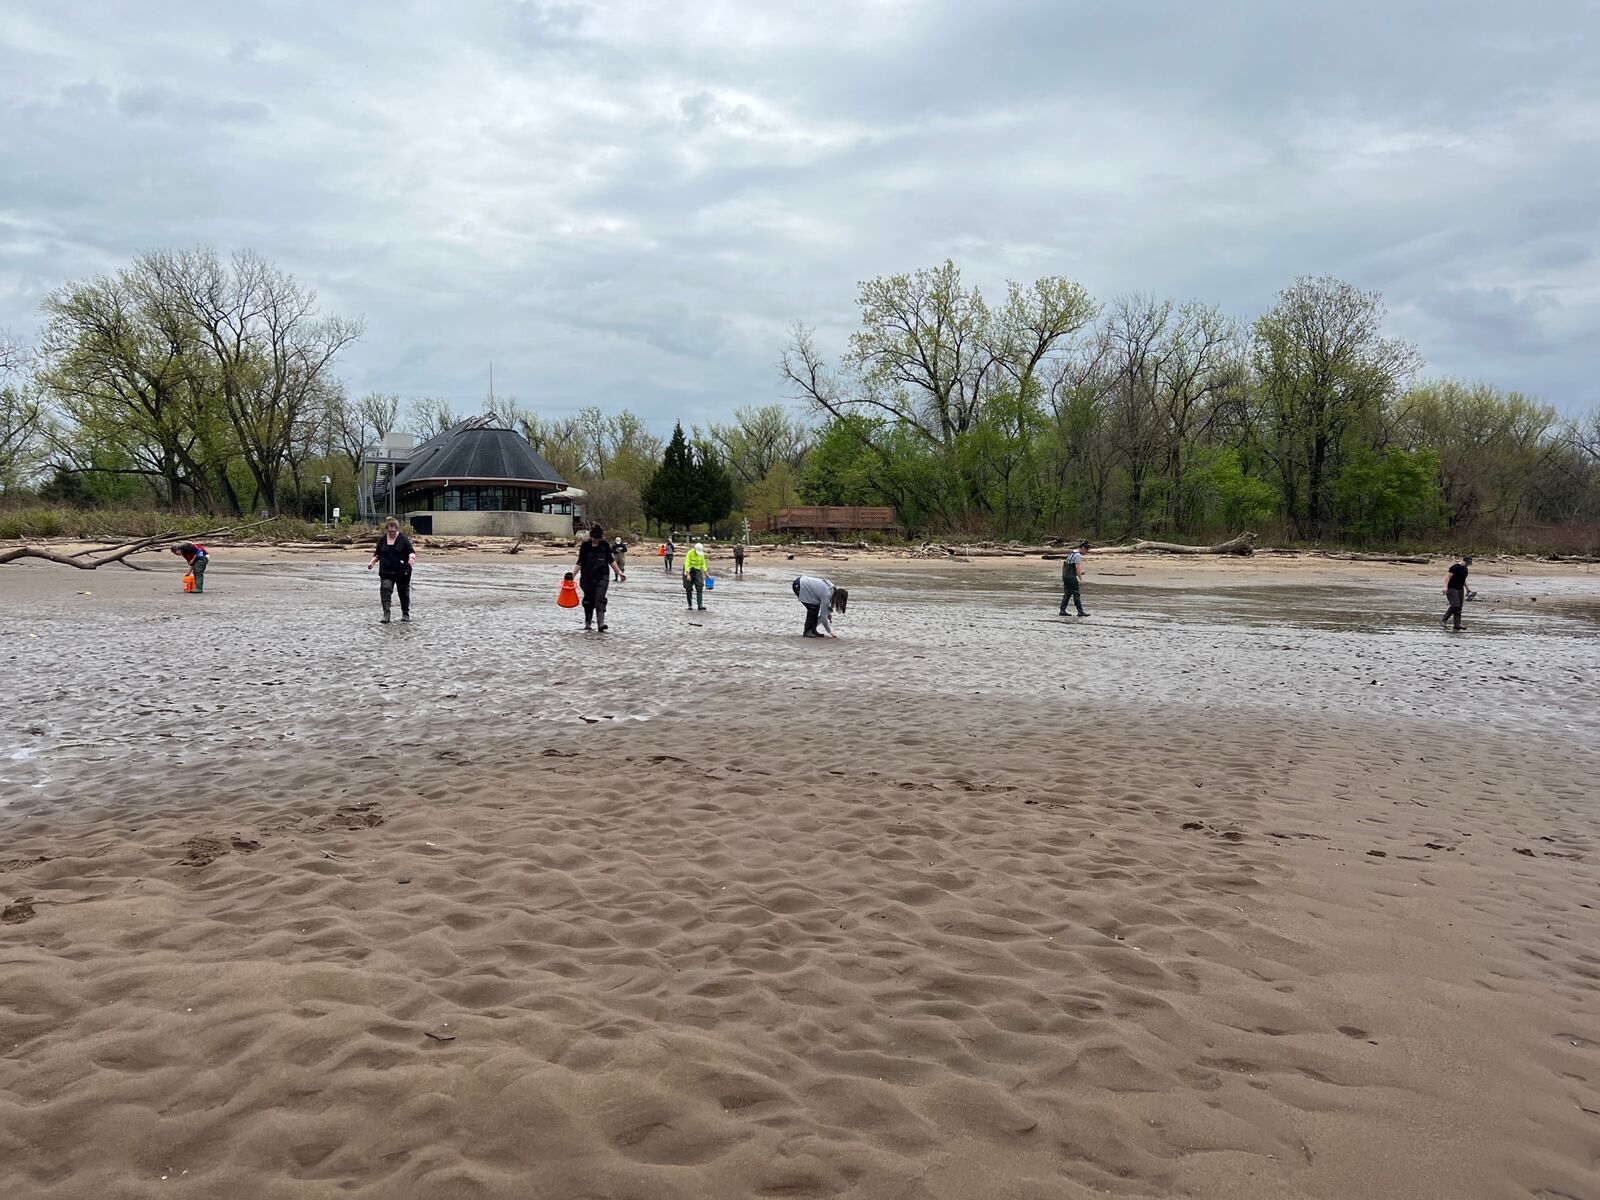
(711, 583)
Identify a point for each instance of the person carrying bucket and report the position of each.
(196, 556)
(568, 596)
(597, 563)
(694, 576)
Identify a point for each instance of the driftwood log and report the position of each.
(1418, 559)
(100, 554)
(1244, 544)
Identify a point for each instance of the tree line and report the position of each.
(205, 384)
(1051, 413)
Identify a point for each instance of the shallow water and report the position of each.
(274, 652)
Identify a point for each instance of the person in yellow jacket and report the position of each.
(694, 576)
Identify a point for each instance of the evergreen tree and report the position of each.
(673, 493)
(713, 487)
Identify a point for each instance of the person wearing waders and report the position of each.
(1455, 592)
(694, 576)
(394, 559)
(672, 550)
(196, 556)
(597, 562)
(1072, 580)
(619, 550)
(738, 559)
(821, 599)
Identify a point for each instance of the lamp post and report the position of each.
(326, 480)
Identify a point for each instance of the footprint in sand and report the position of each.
(16, 914)
(202, 851)
(357, 816)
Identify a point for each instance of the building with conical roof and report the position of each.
(477, 477)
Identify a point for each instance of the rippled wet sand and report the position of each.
(275, 651)
(1234, 892)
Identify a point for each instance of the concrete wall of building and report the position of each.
(497, 524)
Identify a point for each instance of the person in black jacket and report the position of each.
(597, 562)
(1455, 591)
(394, 559)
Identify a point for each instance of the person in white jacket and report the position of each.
(821, 600)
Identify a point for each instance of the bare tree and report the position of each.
(612, 503)
(429, 416)
(22, 418)
(758, 439)
(269, 350)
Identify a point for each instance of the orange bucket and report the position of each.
(188, 582)
(661, 551)
(569, 593)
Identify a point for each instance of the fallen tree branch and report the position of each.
(88, 560)
(1244, 544)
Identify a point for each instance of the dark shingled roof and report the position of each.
(476, 449)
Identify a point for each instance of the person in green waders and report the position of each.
(694, 576)
(1072, 580)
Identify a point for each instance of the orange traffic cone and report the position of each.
(569, 592)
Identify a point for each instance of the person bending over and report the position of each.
(198, 558)
(821, 599)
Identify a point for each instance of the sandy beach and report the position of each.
(1254, 884)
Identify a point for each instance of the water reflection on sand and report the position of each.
(276, 652)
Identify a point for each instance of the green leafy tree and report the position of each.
(1490, 446)
(774, 491)
(1323, 367)
(1381, 494)
(1238, 500)
(838, 469)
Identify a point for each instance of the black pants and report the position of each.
(594, 597)
(1455, 596)
(738, 566)
(388, 584)
(1071, 591)
(666, 564)
(813, 611)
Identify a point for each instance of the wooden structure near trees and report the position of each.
(830, 521)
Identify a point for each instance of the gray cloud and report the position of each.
(627, 203)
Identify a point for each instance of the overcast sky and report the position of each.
(628, 203)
